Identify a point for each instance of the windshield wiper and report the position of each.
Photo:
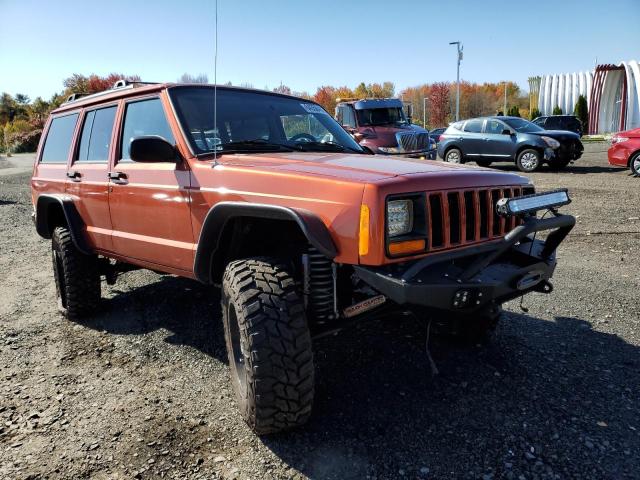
(256, 145)
(325, 146)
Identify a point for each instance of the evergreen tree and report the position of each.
(582, 112)
(557, 110)
(535, 113)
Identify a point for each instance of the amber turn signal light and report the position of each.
(363, 243)
(410, 246)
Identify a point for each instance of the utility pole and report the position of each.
(459, 46)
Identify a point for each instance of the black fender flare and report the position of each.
(74, 221)
(214, 224)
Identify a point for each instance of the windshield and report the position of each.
(381, 116)
(520, 125)
(254, 121)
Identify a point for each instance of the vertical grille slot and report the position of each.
(454, 217)
(508, 221)
(436, 224)
(495, 196)
(470, 221)
(483, 197)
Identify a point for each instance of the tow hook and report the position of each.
(529, 280)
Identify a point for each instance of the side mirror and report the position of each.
(152, 148)
(506, 131)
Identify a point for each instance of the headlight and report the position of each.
(390, 149)
(399, 217)
(552, 142)
(618, 139)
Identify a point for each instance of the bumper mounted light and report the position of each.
(532, 203)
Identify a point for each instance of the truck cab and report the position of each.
(383, 126)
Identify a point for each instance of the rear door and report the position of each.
(472, 139)
(149, 202)
(50, 170)
(498, 145)
(553, 123)
(87, 176)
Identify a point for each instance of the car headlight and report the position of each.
(399, 217)
(389, 149)
(551, 142)
(618, 139)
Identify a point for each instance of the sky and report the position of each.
(307, 44)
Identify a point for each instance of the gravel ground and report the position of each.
(142, 390)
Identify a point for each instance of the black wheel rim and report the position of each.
(59, 277)
(236, 348)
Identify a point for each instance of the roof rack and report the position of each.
(120, 84)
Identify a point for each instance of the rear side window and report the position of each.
(58, 142)
(142, 118)
(473, 126)
(96, 135)
(553, 123)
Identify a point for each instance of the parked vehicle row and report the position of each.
(498, 139)
(266, 196)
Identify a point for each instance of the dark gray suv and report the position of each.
(508, 139)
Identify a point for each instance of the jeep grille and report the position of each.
(464, 217)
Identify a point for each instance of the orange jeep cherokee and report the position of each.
(267, 197)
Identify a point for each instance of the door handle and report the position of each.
(118, 177)
(75, 176)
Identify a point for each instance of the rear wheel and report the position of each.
(634, 164)
(484, 163)
(528, 160)
(77, 277)
(268, 345)
(453, 155)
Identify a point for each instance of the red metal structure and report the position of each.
(598, 89)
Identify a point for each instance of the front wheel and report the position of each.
(453, 155)
(528, 160)
(268, 345)
(634, 164)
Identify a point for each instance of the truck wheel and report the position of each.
(268, 344)
(483, 163)
(528, 160)
(453, 155)
(634, 164)
(77, 277)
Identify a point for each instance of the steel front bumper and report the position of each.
(476, 277)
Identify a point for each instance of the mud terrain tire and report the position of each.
(77, 277)
(268, 345)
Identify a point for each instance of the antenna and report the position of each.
(215, 92)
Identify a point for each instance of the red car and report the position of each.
(625, 150)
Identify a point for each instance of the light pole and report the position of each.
(459, 45)
(505, 100)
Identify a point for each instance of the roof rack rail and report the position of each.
(122, 83)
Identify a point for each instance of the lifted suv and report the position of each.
(380, 124)
(267, 197)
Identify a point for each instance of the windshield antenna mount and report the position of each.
(215, 89)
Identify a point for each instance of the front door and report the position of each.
(149, 202)
(87, 176)
(498, 145)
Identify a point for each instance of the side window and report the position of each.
(349, 118)
(539, 121)
(58, 142)
(553, 123)
(340, 114)
(141, 118)
(96, 135)
(458, 125)
(494, 127)
(473, 126)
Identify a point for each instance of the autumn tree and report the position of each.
(82, 84)
(439, 101)
(188, 78)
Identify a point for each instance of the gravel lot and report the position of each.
(142, 390)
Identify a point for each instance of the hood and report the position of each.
(628, 133)
(557, 134)
(367, 168)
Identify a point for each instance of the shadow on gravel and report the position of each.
(186, 308)
(528, 403)
(577, 169)
(7, 202)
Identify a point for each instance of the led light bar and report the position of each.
(532, 203)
